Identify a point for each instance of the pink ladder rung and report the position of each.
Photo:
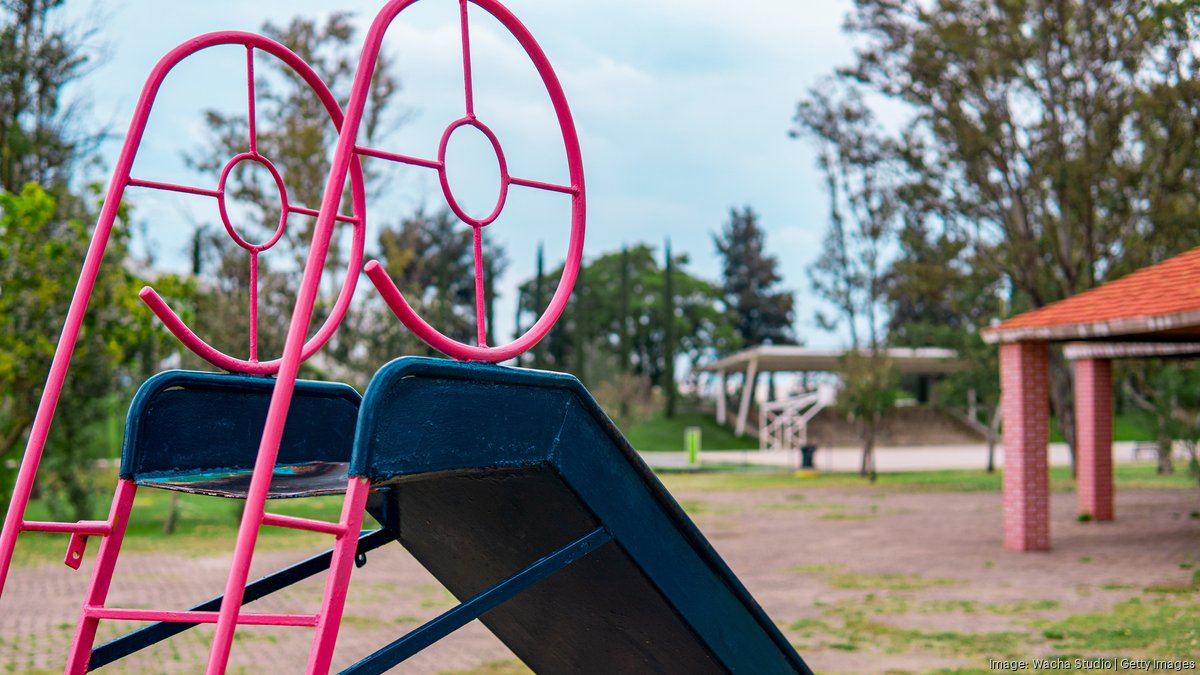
(296, 523)
(246, 619)
(86, 528)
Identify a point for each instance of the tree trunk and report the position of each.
(1165, 465)
(867, 468)
(668, 379)
(993, 433)
(172, 518)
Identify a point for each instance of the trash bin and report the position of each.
(806, 456)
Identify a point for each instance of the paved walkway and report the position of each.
(918, 458)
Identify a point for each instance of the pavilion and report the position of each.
(1153, 312)
(755, 361)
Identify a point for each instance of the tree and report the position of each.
(939, 294)
(859, 167)
(867, 393)
(702, 324)
(41, 140)
(749, 275)
(1058, 138)
(40, 254)
(851, 274)
(43, 236)
(1171, 393)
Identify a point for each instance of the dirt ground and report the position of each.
(860, 579)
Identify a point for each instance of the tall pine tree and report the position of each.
(750, 277)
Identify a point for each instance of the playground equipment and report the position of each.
(537, 512)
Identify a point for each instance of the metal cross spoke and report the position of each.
(480, 290)
(539, 185)
(468, 89)
(305, 211)
(172, 187)
(250, 112)
(395, 157)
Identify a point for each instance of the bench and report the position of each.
(1146, 447)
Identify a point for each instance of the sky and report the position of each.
(682, 107)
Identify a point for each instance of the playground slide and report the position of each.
(484, 471)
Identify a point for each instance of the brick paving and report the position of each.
(785, 544)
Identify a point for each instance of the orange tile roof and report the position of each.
(1169, 288)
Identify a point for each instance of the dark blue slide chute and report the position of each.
(516, 491)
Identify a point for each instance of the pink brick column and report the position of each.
(1025, 387)
(1093, 430)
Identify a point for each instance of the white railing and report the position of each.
(783, 424)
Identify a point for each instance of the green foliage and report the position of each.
(1170, 392)
(936, 287)
(667, 381)
(1043, 130)
(749, 278)
(42, 253)
(40, 54)
(632, 323)
(868, 392)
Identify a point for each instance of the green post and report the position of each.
(691, 438)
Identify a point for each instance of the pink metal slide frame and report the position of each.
(296, 347)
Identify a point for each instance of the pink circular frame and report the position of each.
(283, 201)
(504, 177)
(391, 294)
(169, 317)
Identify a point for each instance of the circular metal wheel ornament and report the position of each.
(480, 351)
(156, 303)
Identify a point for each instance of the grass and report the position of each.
(205, 524)
(1167, 627)
(1131, 425)
(891, 603)
(1141, 475)
(1162, 626)
(849, 627)
(886, 582)
(661, 434)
